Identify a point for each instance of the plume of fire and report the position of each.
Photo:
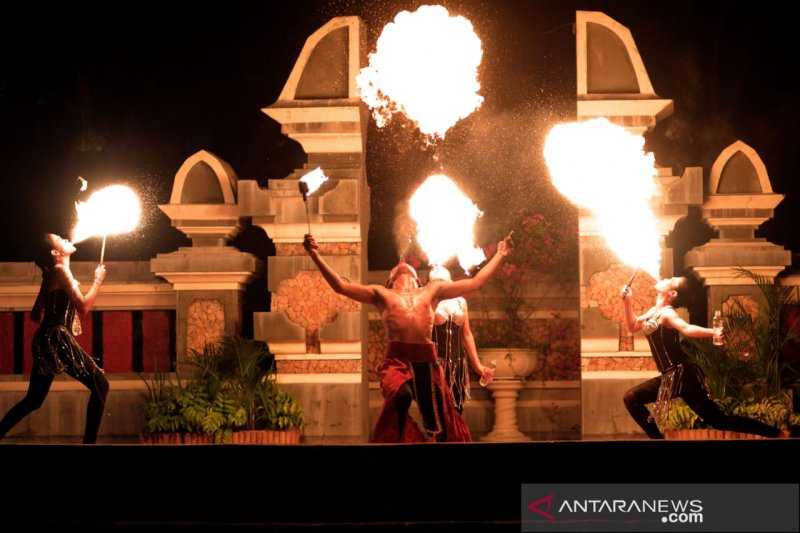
(445, 219)
(110, 211)
(426, 66)
(311, 182)
(602, 167)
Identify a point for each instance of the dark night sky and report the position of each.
(127, 94)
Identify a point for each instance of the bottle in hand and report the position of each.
(716, 324)
(483, 381)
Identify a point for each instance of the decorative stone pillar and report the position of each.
(612, 82)
(506, 429)
(319, 337)
(741, 199)
(209, 276)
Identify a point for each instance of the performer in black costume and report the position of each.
(55, 349)
(454, 343)
(679, 378)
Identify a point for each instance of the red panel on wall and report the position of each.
(117, 341)
(156, 341)
(6, 343)
(29, 330)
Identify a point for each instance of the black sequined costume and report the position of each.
(56, 351)
(679, 378)
(448, 339)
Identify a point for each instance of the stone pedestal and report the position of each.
(208, 277)
(505, 393)
(208, 284)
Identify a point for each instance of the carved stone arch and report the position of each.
(601, 37)
(739, 170)
(204, 178)
(328, 63)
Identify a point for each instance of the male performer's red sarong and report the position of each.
(395, 371)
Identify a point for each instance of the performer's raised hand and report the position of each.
(506, 246)
(310, 244)
(626, 293)
(100, 274)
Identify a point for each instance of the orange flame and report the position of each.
(602, 167)
(426, 66)
(109, 211)
(445, 219)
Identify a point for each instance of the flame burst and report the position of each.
(445, 219)
(426, 66)
(109, 211)
(314, 180)
(603, 167)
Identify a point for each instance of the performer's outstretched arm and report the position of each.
(686, 329)
(462, 287)
(360, 293)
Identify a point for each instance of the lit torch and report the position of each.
(445, 219)
(602, 167)
(109, 211)
(425, 65)
(308, 185)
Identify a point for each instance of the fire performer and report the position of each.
(55, 349)
(679, 377)
(410, 370)
(454, 343)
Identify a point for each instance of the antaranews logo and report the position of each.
(536, 507)
(660, 507)
(670, 511)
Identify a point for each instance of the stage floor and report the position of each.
(355, 487)
(306, 441)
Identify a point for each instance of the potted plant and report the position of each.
(197, 412)
(272, 416)
(208, 418)
(163, 419)
(232, 397)
(748, 375)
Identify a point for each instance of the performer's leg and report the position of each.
(694, 394)
(442, 436)
(425, 397)
(38, 387)
(97, 383)
(636, 400)
(402, 403)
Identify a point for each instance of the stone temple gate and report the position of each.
(150, 315)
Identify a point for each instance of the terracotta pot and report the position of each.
(198, 438)
(708, 434)
(266, 436)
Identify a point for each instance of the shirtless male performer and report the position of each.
(410, 370)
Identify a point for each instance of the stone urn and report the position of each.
(512, 366)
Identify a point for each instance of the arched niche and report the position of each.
(204, 178)
(739, 170)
